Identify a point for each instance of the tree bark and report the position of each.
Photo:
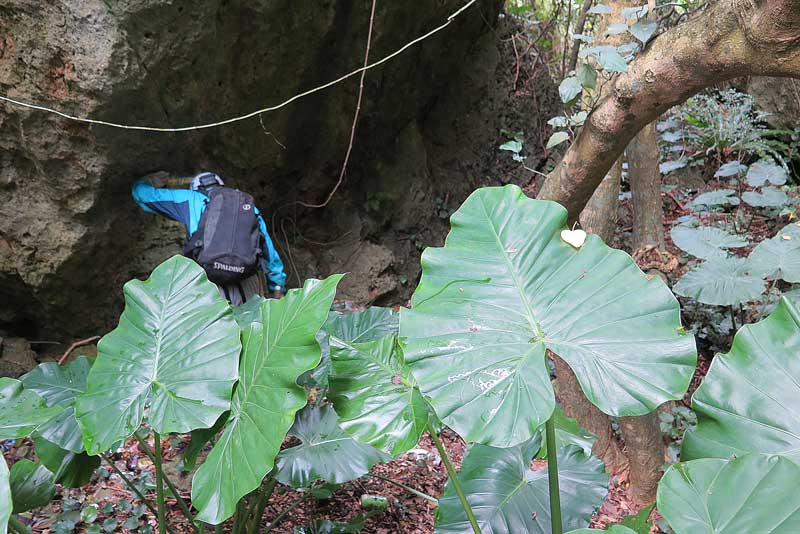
(645, 182)
(643, 438)
(731, 38)
(600, 218)
(600, 215)
(571, 397)
(645, 448)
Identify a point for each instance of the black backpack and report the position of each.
(227, 243)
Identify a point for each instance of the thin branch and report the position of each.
(355, 115)
(581, 24)
(74, 346)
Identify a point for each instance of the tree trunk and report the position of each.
(571, 397)
(600, 215)
(645, 181)
(645, 448)
(731, 38)
(600, 218)
(645, 445)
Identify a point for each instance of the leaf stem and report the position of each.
(133, 488)
(162, 524)
(240, 516)
(280, 517)
(16, 526)
(552, 475)
(181, 503)
(733, 318)
(409, 489)
(260, 503)
(451, 472)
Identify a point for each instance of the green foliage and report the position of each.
(753, 493)
(69, 469)
(505, 288)
(748, 398)
(639, 523)
(31, 485)
(6, 504)
(778, 257)
(705, 242)
(22, 411)
(721, 281)
(59, 386)
(175, 350)
(508, 497)
(568, 432)
(325, 453)
(712, 199)
(276, 351)
(764, 171)
(377, 398)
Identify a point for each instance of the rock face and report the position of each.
(70, 235)
(778, 96)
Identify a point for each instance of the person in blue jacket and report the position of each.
(187, 205)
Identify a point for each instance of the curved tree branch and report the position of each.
(732, 38)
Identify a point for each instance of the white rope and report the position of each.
(254, 113)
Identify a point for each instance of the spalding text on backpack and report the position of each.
(227, 243)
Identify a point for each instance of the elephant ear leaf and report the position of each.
(59, 385)
(747, 401)
(371, 324)
(325, 452)
(504, 290)
(174, 355)
(377, 398)
(22, 411)
(70, 469)
(753, 493)
(508, 497)
(31, 486)
(6, 504)
(277, 350)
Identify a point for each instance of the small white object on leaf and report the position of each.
(576, 238)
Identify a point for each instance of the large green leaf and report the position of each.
(22, 411)
(249, 311)
(325, 453)
(778, 256)
(60, 385)
(763, 171)
(711, 199)
(6, 504)
(277, 350)
(751, 494)
(721, 281)
(769, 197)
(375, 395)
(748, 401)
(174, 353)
(357, 327)
(506, 287)
(369, 325)
(612, 529)
(508, 498)
(705, 242)
(71, 470)
(31, 485)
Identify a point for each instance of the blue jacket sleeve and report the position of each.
(172, 203)
(273, 266)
